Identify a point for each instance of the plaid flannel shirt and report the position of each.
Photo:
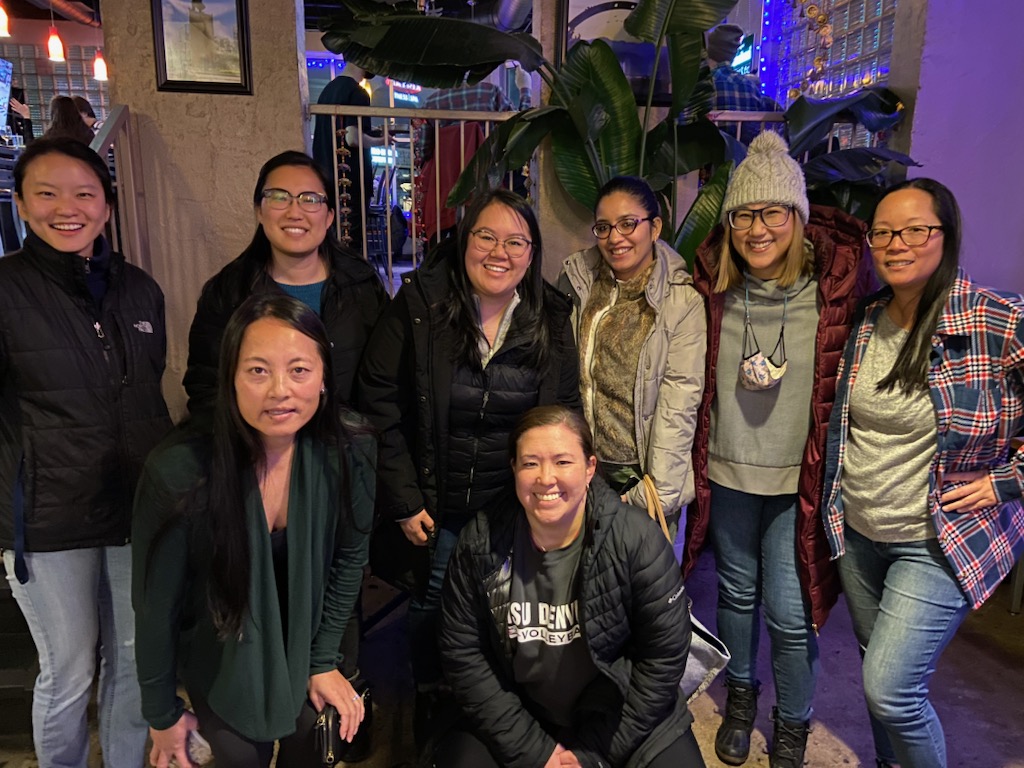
(977, 389)
(735, 92)
(482, 97)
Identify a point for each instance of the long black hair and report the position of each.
(910, 371)
(237, 449)
(461, 312)
(258, 252)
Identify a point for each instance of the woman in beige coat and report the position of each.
(641, 332)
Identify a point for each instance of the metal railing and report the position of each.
(127, 230)
(403, 175)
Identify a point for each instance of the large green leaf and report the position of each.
(685, 54)
(574, 167)
(703, 215)
(862, 164)
(592, 75)
(509, 146)
(810, 120)
(675, 150)
(367, 11)
(653, 18)
(431, 51)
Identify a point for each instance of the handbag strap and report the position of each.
(654, 506)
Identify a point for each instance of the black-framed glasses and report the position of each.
(773, 216)
(918, 234)
(279, 199)
(515, 247)
(628, 226)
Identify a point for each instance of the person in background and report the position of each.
(82, 346)
(565, 629)
(479, 97)
(923, 481)
(19, 117)
(781, 281)
(640, 329)
(472, 340)
(66, 122)
(735, 92)
(87, 113)
(346, 90)
(293, 252)
(248, 552)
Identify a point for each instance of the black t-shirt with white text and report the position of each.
(552, 663)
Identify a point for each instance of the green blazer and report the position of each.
(256, 682)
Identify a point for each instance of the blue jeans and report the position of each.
(754, 539)
(74, 600)
(906, 605)
(424, 615)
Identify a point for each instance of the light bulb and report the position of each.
(99, 67)
(54, 45)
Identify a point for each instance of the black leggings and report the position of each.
(233, 750)
(463, 749)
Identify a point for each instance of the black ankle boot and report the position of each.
(732, 742)
(788, 744)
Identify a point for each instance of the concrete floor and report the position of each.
(978, 690)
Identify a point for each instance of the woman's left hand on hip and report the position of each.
(979, 491)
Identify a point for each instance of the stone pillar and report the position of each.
(201, 152)
(564, 223)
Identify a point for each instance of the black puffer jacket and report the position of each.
(633, 609)
(350, 304)
(80, 397)
(405, 388)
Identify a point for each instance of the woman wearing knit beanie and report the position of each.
(780, 278)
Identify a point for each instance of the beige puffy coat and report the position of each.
(670, 371)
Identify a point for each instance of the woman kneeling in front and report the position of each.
(565, 628)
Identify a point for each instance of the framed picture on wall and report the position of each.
(202, 47)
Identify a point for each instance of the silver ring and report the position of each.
(356, 698)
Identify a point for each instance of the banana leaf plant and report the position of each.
(591, 115)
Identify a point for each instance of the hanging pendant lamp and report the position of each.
(54, 46)
(5, 24)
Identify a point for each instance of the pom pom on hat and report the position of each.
(767, 175)
(723, 42)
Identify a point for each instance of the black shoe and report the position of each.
(361, 746)
(732, 742)
(789, 743)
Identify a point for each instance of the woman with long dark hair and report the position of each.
(249, 551)
(641, 333)
(923, 483)
(293, 251)
(470, 342)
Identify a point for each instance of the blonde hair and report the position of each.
(799, 260)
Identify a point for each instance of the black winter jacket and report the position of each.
(80, 399)
(405, 390)
(633, 610)
(352, 300)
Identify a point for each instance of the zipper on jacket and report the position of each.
(476, 437)
(103, 339)
(591, 345)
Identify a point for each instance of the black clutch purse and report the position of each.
(328, 735)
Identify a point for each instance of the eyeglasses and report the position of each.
(515, 247)
(603, 229)
(279, 199)
(919, 234)
(774, 216)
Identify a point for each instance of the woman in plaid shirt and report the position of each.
(923, 485)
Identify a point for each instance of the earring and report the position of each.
(323, 390)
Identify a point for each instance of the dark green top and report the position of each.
(256, 682)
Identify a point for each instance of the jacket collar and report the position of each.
(68, 269)
(955, 319)
(669, 269)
